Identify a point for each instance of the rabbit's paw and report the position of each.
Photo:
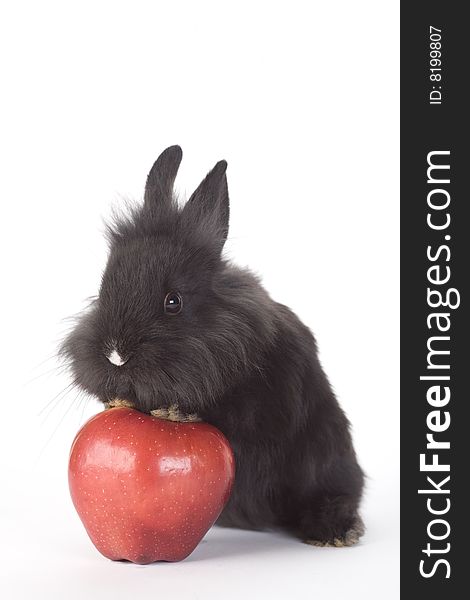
(117, 402)
(172, 413)
(350, 538)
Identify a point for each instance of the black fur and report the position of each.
(241, 361)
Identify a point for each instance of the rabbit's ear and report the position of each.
(208, 206)
(160, 180)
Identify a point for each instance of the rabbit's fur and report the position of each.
(233, 356)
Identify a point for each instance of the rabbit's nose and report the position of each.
(115, 358)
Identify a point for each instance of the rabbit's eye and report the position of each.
(173, 303)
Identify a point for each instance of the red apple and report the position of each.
(147, 489)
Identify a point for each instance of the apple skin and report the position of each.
(147, 489)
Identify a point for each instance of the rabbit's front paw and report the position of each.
(172, 413)
(119, 402)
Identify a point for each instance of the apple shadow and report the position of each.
(221, 543)
(224, 542)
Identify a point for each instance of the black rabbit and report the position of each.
(177, 325)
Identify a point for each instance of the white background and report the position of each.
(301, 98)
